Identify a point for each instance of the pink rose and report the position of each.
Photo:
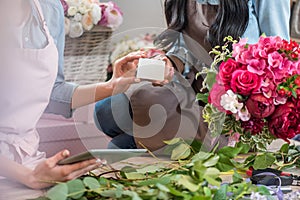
(244, 82)
(112, 15)
(225, 71)
(215, 94)
(259, 106)
(285, 122)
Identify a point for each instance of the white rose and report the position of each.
(67, 25)
(87, 22)
(78, 17)
(83, 9)
(96, 13)
(76, 30)
(229, 102)
(72, 11)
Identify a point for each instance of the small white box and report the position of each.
(151, 69)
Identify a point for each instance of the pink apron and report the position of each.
(26, 82)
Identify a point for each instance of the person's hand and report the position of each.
(169, 71)
(124, 72)
(49, 172)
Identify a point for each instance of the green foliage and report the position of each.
(215, 120)
(195, 175)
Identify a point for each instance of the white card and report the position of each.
(151, 69)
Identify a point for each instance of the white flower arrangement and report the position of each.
(83, 15)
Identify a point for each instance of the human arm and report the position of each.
(47, 173)
(123, 76)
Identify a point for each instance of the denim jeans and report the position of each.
(113, 116)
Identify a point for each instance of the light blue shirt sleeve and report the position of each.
(61, 97)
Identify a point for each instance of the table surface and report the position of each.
(16, 191)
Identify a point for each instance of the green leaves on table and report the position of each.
(192, 175)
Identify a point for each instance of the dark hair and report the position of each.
(176, 18)
(232, 19)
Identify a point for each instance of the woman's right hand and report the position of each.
(49, 172)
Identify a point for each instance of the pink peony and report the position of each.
(257, 66)
(268, 45)
(285, 122)
(244, 82)
(259, 106)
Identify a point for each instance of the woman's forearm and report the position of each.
(87, 94)
(13, 170)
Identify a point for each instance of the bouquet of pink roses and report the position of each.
(254, 90)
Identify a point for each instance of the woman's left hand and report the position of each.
(125, 72)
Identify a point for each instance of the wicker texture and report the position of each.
(86, 57)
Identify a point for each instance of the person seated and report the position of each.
(150, 114)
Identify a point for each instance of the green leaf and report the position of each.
(284, 148)
(150, 169)
(211, 174)
(237, 178)
(108, 193)
(221, 194)
(207, 191)
(244, 148)
(211, 79)
(201, 156)
(249, 161)
(175, 192)
(132, 194)
(264, 161)
(173, 141)
(134, 175)
(162, 187)
(211, 161)
(58, 192)
(224, 164)
(181, 152)
(202, 97)
(188, 183)
(76, 188)
(91, 183)
(163, 180)
(230, 152)
(263, 190)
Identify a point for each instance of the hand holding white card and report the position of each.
(151, 69)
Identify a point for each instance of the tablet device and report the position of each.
(110, 155)
(151, 69)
